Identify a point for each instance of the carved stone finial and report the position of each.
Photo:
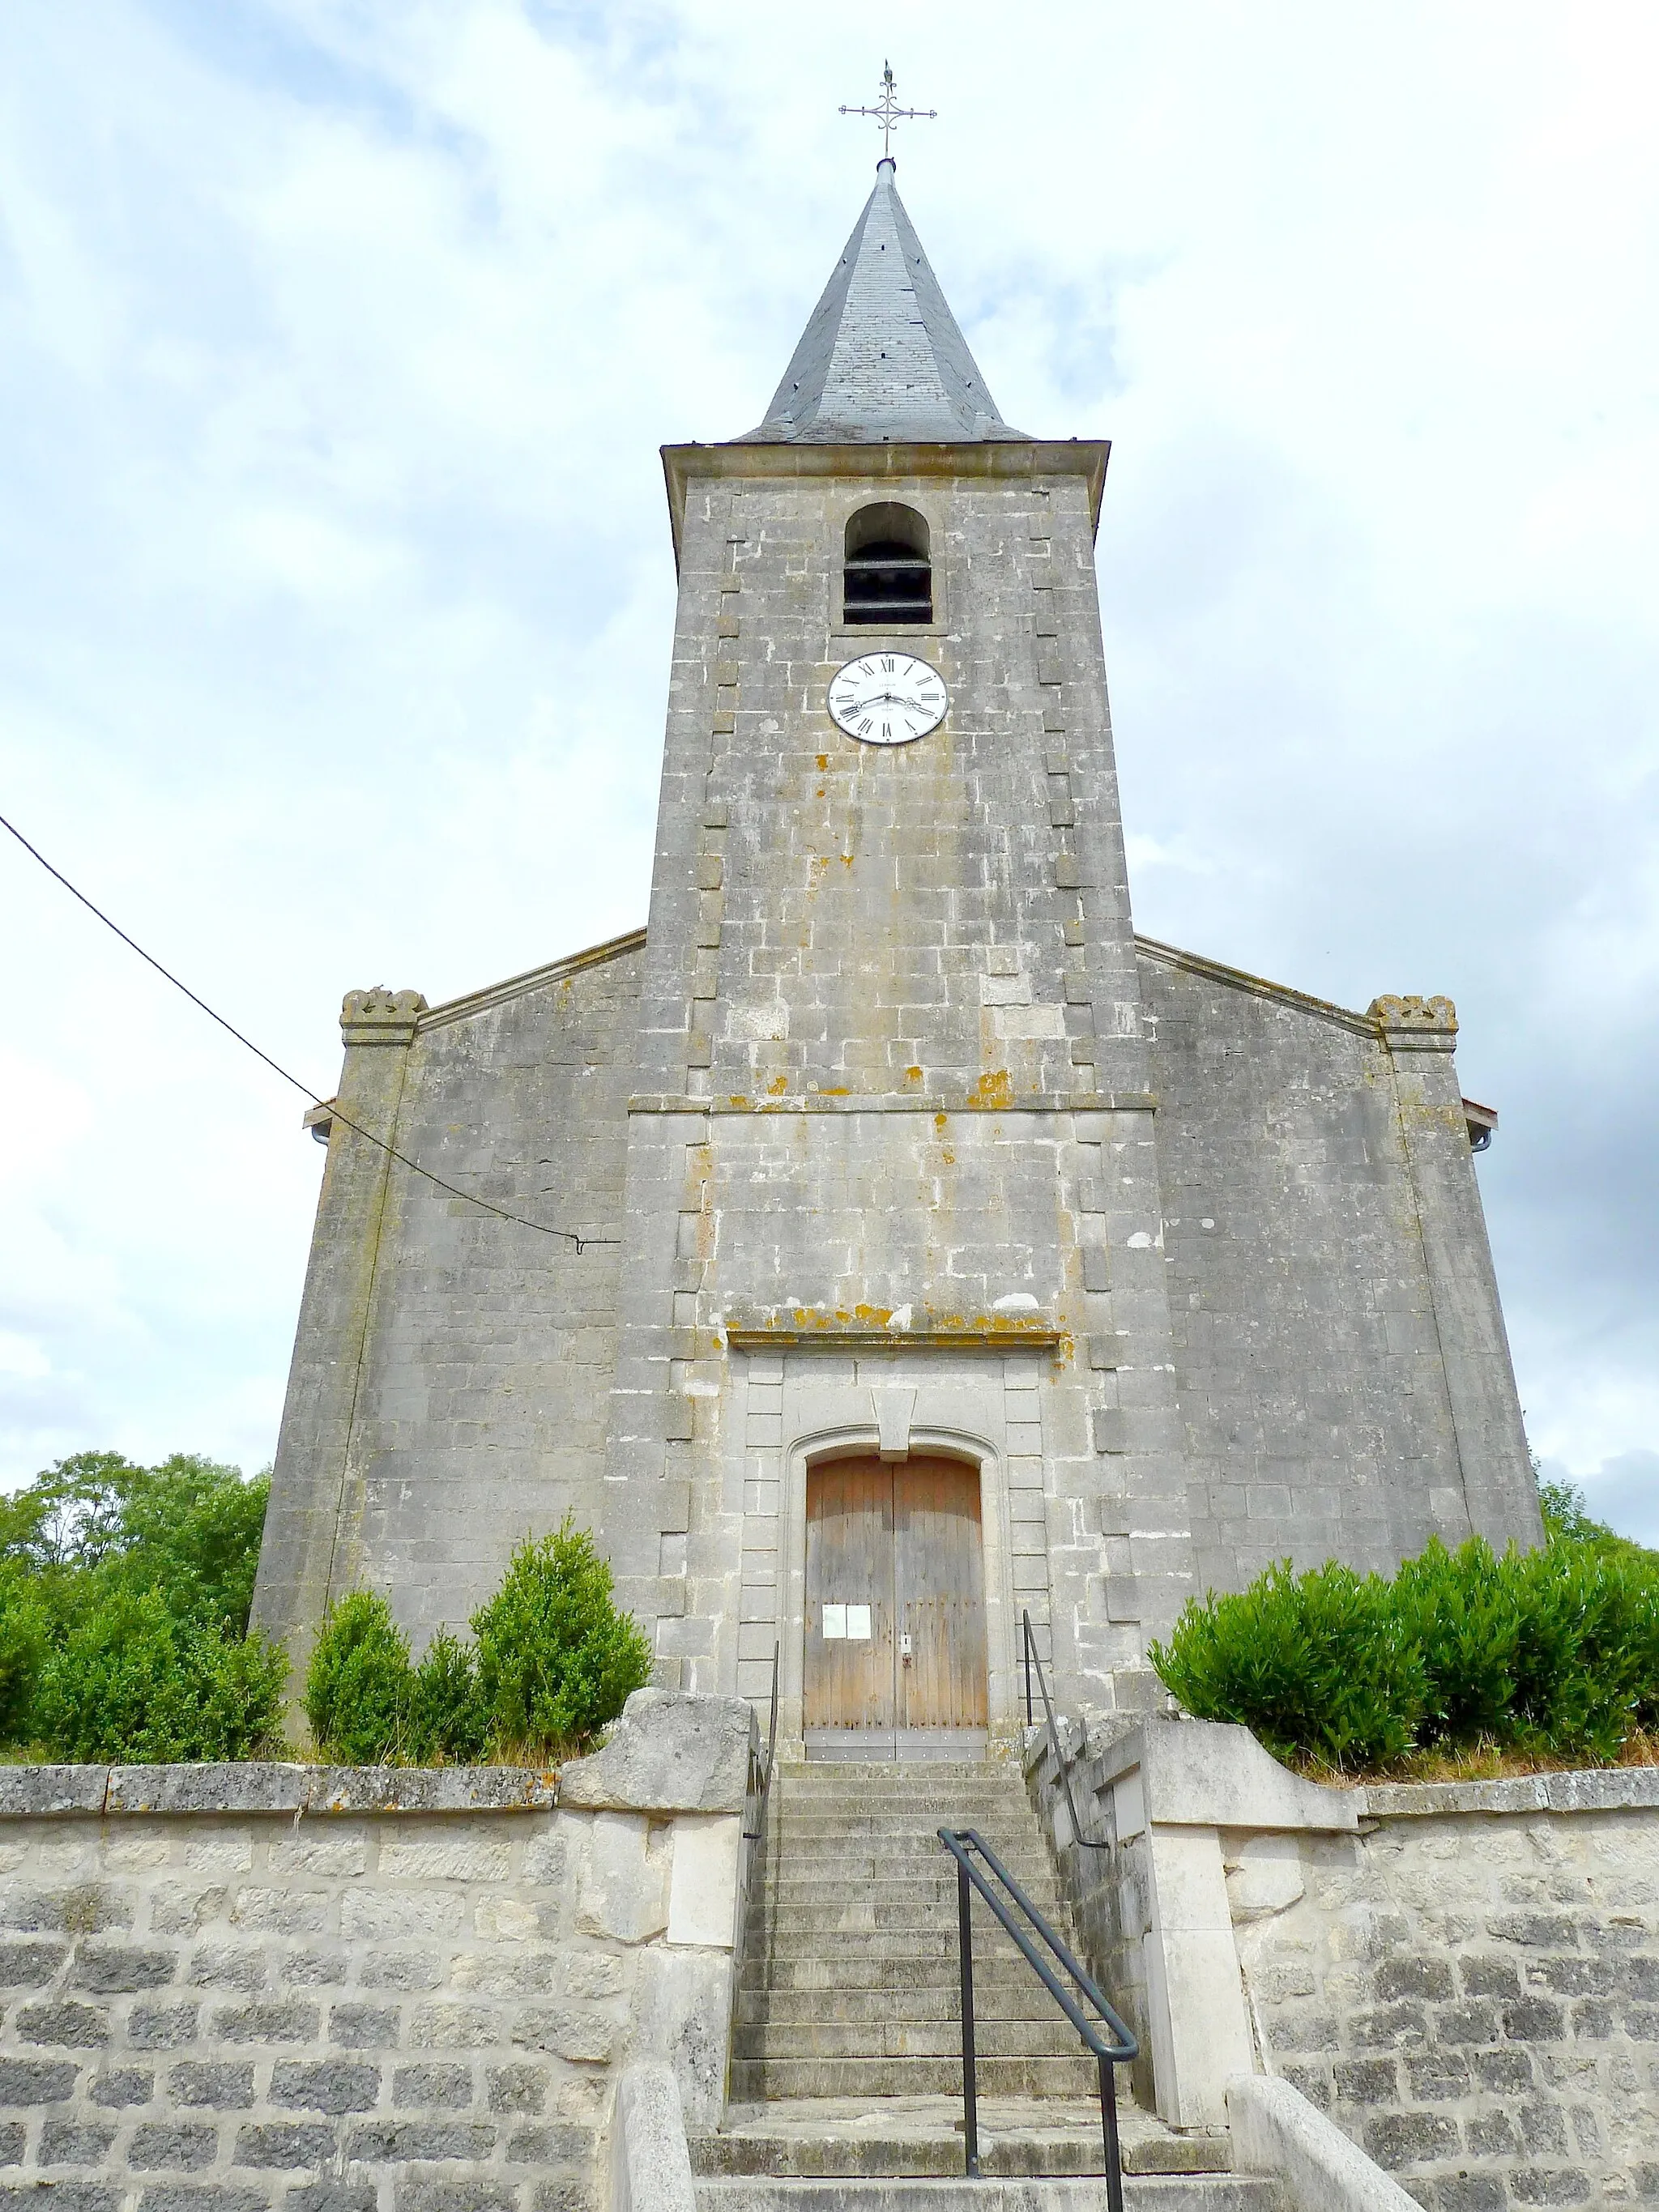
(380, 1016)
(1412, 1024)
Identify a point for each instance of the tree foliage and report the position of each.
(125, 1594)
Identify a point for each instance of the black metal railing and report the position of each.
(760, 1765)
(965, 1845)
(1034, 1658)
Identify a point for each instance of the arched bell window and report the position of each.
(888, 579)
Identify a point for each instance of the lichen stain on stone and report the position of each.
(1010, 1328)
(995, 1088)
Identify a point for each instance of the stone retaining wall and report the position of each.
(1470, 1985)
(236, 1989)
(1465, 1976)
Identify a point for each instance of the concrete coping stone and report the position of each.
(1204, 1774)
(1589, 1790)
(271, 1787)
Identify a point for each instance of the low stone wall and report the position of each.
(1470, 1985)
(240, 1988)
(1466, 1977)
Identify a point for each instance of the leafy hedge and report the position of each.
(552, 1661)
(124, 1593)
(1552, 1653)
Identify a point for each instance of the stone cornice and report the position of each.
(514, 986)
(820, 1102)
(1239, 979)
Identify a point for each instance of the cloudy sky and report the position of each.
(337, 338)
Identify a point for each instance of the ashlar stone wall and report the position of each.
(1465, 1978)
(1470, 1985)
(291, 1989)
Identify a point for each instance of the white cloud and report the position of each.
(337, 340)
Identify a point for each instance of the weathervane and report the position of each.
(887, 111)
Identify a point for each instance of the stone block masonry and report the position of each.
(288, 1990)
(1464, 1978)
(1470, 1985)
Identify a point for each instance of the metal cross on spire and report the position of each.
(887, 111)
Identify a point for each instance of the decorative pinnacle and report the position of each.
(887, 111)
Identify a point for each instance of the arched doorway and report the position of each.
(895, 1656)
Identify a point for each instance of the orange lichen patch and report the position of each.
(737, 1101)
(833, 1090)
(823, 762)
(995, 1088)
(866, 1325)
(941, 1123)
(778, 1085)
(846, 860)
(914, 1075)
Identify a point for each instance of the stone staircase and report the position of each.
(846, 2079)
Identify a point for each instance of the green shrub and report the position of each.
(133, 1681)
(557, 1659)
(1315, 1663)
(1462, 1611)
(360, 1683)
(1552, 1652)
(447, 1718)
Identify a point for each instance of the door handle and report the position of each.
(906, 1652)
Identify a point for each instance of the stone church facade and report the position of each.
(955, 1253)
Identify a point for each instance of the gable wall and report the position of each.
(479, 1354)
(1309, 1362)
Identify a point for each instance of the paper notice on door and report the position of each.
(834, 1622)
(858, 1623)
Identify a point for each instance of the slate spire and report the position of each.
(882, 359)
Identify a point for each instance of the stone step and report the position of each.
(907, 1831)
(996, 1984)
(870, 1909)
(797, 1877)
(910, 1839)
(1021, 1998)
(925, 1898)
(917, 2137)
(1165, 2192)
(994, 2038)
(978, 1787)
(758, 2080)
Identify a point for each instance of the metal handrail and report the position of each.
(770, 1761)
(1089, 1843)
(960, 1843)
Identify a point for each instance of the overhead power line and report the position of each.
(501, 1213)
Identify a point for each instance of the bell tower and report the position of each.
(892, 1197)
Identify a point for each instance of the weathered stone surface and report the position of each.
(1468, 1954)
(436, 1990)
(1276, 2130)
(251, 1786)
(651, 2167)
(669, 1753)
(49, 1792)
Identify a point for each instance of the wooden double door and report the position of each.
(895, 1610)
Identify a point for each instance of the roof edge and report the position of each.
(1240, 979)
(1011, 456)
(515, 986)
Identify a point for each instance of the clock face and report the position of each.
(888, 698)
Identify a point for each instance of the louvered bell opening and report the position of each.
(888, 583)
